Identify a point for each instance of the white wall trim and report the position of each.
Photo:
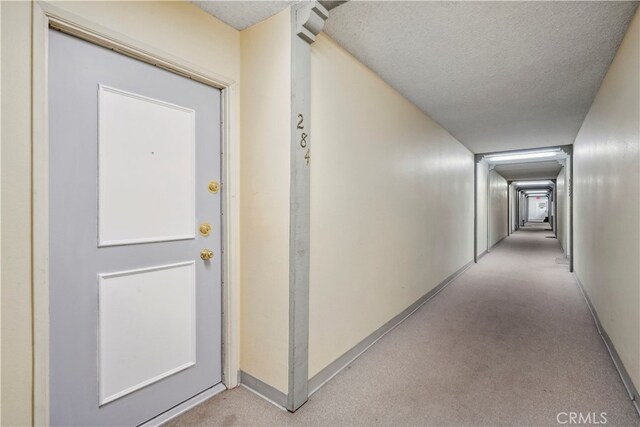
(46, 15)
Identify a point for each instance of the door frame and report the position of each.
(44, 17)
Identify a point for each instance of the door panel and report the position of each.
(135, 312)
(132, 318)
(146, 188)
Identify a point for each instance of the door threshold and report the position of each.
(184, 406)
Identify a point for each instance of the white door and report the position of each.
(134, 214)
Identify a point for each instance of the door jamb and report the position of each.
(45, 16)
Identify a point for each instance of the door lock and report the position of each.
(214, 186)
(205, 229)
(206, 254)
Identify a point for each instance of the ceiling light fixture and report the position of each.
(522, 156)
(530, 183)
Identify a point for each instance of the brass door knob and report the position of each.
(206, 254)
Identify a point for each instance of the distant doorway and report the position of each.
(538, 209)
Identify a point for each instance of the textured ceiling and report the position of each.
(497, 75)
(242, 14)
(534, 170)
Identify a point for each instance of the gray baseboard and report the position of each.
(486, 251)
(322, 377)
(497, 243)
(622, 371)
(263, 390)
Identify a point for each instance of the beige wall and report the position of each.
(482, 183)
(265, 159)
(178, 28)
(16, 209)
(561, 217)
(497, 208)
(391, 203)
(607, 202)
(0, 216)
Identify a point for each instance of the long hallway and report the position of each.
(319, 213)
(511, 341)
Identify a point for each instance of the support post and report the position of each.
(517, 211)
(476, 159)
(488, 189)
(570, 205)
(554, 211)
(508, 208)
(307, 20)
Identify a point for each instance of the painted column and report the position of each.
(307, 21)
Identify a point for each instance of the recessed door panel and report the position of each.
(146, 169)
(147, 322)
(135, 310)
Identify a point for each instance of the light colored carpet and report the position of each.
(538, 225)
(510, 342)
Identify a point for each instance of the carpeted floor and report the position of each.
(510, 342)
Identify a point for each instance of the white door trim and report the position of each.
(46, 15)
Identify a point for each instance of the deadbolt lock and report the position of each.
(214, 186)
(206, 254)
(205, 229)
